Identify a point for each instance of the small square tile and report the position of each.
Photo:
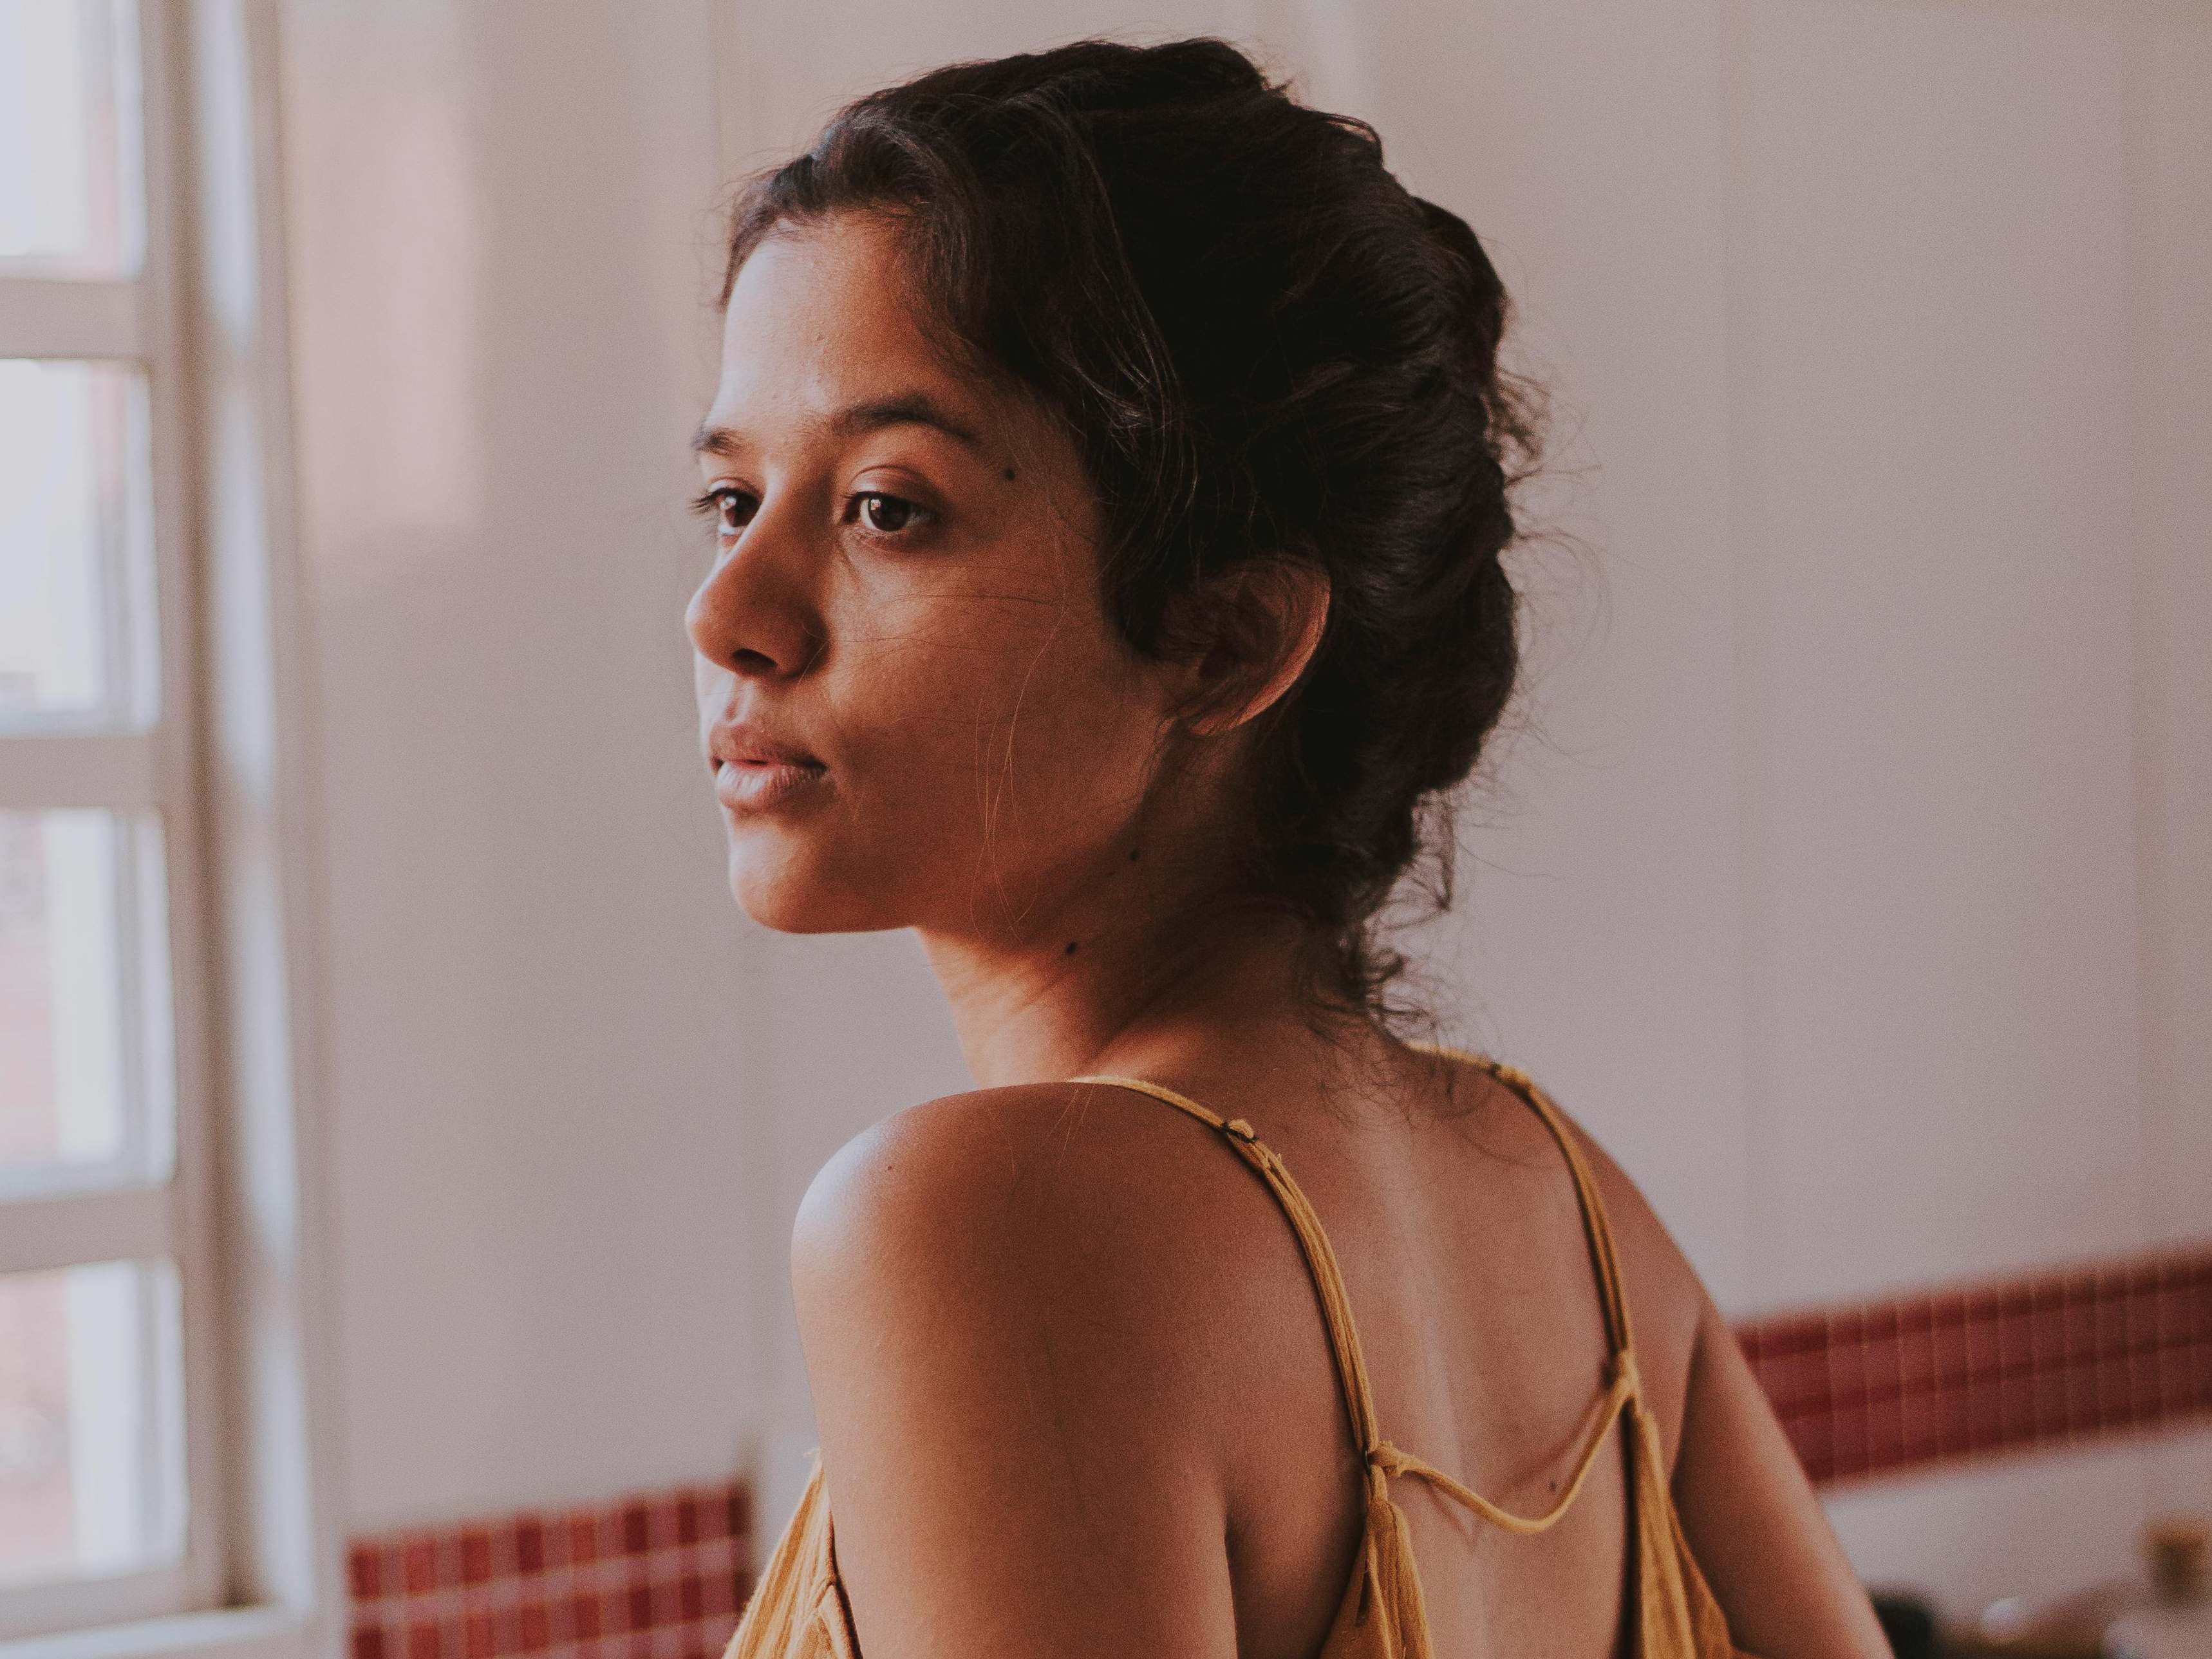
(2173, 1313)
(581, 1530)
(476, 1556)
(2015, 1342)
(1985, 1350)
(1916, 1359)
(2082, 1410)
(2047, 1335)
(2047, 1388)
(2081, 1322)
(1797, 1380)
(1918, 1428)
(1847, 1369)
(1952, 1352)
(613, 1614)
(719, 1594)
(661, 1524)
(561, 1619)
(735, 1506)
(1885, 1433)
(667, 1603)
(2173, 1376)
(1953, 1412)
(418, 1566)
(1848, 1454)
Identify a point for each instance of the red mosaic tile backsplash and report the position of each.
(659, 1576)
(1862, 1389)
(1961, 1369)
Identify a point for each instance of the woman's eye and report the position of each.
(730, 509)
(887, 515)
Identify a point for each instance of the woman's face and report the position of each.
(904, 589)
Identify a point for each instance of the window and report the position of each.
(102, 1240)
(154, 1428)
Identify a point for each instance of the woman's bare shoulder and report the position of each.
(1004, 1340)
(1016, 1167)
(1087, 1217)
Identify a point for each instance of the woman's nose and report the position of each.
(751, 615)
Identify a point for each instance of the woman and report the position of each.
(1109, 469)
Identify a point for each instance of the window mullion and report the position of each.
(55, 317)
(52, 771)
(66, 1229)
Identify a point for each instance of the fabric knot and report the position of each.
(1386, 1457)
(1240, 1128)
(1624, 1365)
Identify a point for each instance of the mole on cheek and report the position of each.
(1010, 475)
(1071, 949)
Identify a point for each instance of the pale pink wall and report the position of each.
(542, 1055)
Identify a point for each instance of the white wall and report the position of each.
(1846, 872)
(544, 1054)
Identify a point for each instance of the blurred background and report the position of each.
(401, 1129)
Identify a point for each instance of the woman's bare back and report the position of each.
(1454, 1221)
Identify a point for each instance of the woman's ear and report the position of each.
(1261, 621)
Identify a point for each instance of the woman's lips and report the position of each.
(757, 786)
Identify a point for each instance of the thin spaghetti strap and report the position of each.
(1383, 1457)
(1321, 1260)
(1595, 1229)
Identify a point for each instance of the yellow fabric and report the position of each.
(799, 1609)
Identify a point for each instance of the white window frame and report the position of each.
(223, 762)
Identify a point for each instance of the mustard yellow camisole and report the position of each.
(799, 1609)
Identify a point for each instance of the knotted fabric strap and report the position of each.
(1382, 1456)
(1395, 1460)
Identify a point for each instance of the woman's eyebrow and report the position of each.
(870, 415)
(900, 409)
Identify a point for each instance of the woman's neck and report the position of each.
(1033, 1010)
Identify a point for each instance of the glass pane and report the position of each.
(85, 1049)
(69, 138)
(75, 566)
(91, 1480)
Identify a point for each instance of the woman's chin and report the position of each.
(785, 894)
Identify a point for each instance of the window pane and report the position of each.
(84, 992)
(91, 1481)
(69, 138)
(75, 567)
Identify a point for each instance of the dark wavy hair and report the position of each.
(1263, 345)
